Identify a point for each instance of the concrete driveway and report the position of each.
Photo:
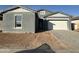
(70, 38)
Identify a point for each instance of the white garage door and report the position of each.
(57, 25)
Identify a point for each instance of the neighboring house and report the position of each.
(59, 21)
(75, 23)
(20, 19)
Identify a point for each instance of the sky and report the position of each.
(69, 9)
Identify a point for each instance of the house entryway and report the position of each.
(74, 26)
(40, 24)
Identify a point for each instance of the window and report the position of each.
(42, 12)
(18, 20)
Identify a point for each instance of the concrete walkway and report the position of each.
(70, 38)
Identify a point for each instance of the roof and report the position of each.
(43, 10)
(16, 7)
(56, 13)
(75, 18)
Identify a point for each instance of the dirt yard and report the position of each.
(30, 41)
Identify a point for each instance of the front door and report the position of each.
(40, 25)
(72, 26)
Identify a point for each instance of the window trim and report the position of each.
(15, 21)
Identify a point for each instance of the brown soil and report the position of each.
(29, 40)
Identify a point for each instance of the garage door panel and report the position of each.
(57, 25)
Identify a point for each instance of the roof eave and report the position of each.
(56, 13)
(16, 7)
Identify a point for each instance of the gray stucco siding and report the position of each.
(28, 22)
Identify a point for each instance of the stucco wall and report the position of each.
(28, 22)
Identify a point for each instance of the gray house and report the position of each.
(18, 19)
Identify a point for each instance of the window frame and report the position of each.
(16, 21)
